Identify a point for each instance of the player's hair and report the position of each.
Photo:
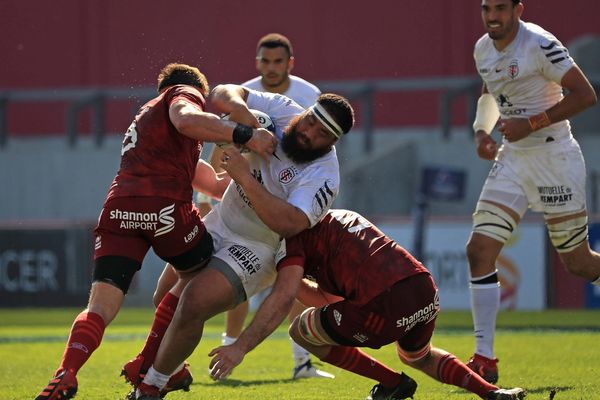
(340, 109)
(515, 2)
(182, 74)
(274, 40)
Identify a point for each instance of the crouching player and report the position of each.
(384, 295)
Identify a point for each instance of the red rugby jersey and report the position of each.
(157, 160)
(348, 256)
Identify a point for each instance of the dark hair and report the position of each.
(274, 40)
(515, 2)
(340, 109)
(182, 74)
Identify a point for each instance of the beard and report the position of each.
(295, 149)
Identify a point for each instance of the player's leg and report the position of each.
(499, 210)
(569, 236)
(303, 367)
(207, 294)
(168, 278)
(446, 368)
(314, 330)
(234, 323)
(111, 280)
(186, 266)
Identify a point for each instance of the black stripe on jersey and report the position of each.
(551, 45)
(554, 53)
(557, 60)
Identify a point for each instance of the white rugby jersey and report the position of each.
(300, 90)
(525, 77)
(312, 187)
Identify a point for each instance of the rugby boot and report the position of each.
(307, 370)
(507, 394)
(132, 371)
(485, 367)
(404, 390)
(62, 386)
(179, 381)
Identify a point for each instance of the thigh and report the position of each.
(405, 313)
(558, 179)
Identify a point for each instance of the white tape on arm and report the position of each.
(487, 114)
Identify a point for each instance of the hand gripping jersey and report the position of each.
(312, 187)
(157, 160)
(349, 257)
(525, 77)
(300, 90)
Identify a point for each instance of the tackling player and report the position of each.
(539, 165)
(149, 204)
(384, 295)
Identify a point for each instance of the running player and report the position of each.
(539, 165)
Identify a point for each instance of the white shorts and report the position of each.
(549, 178)
(252, 262)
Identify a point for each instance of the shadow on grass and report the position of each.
(548, 390)
(238, 383)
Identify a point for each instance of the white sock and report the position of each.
(300, 354)
(485, 303)
(596, 282)
(155, 378)
(227, 340)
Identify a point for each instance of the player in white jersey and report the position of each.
(274, 62)
(539, 164)
(266, 200)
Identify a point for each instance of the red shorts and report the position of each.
(128, 226)
(404, 313)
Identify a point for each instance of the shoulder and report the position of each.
(253, 83)
(184, 92)
(536, 36)
(482, 45)
(304, 84)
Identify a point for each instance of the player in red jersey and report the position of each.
(371, 292)
(149, 204)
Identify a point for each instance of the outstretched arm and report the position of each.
(268, 317)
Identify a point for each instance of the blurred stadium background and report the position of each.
(74, 72)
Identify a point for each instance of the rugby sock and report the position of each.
(485, 302)
(359, 362)
(155, 378)
(452, 371)
(301, 356)
(162, 318)
(85, 337)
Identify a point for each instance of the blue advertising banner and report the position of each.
(592, 292)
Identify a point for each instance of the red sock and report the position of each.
(85, 337)
(162, 318)
(359, 362)
(453, 371)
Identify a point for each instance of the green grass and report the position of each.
(539, 351)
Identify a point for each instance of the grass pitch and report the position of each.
(552, 350)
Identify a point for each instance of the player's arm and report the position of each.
(207, 181)
(486, 118)
(311, 295)
(279, 215)
(580, 95)
(268, 317)
(191, 121)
